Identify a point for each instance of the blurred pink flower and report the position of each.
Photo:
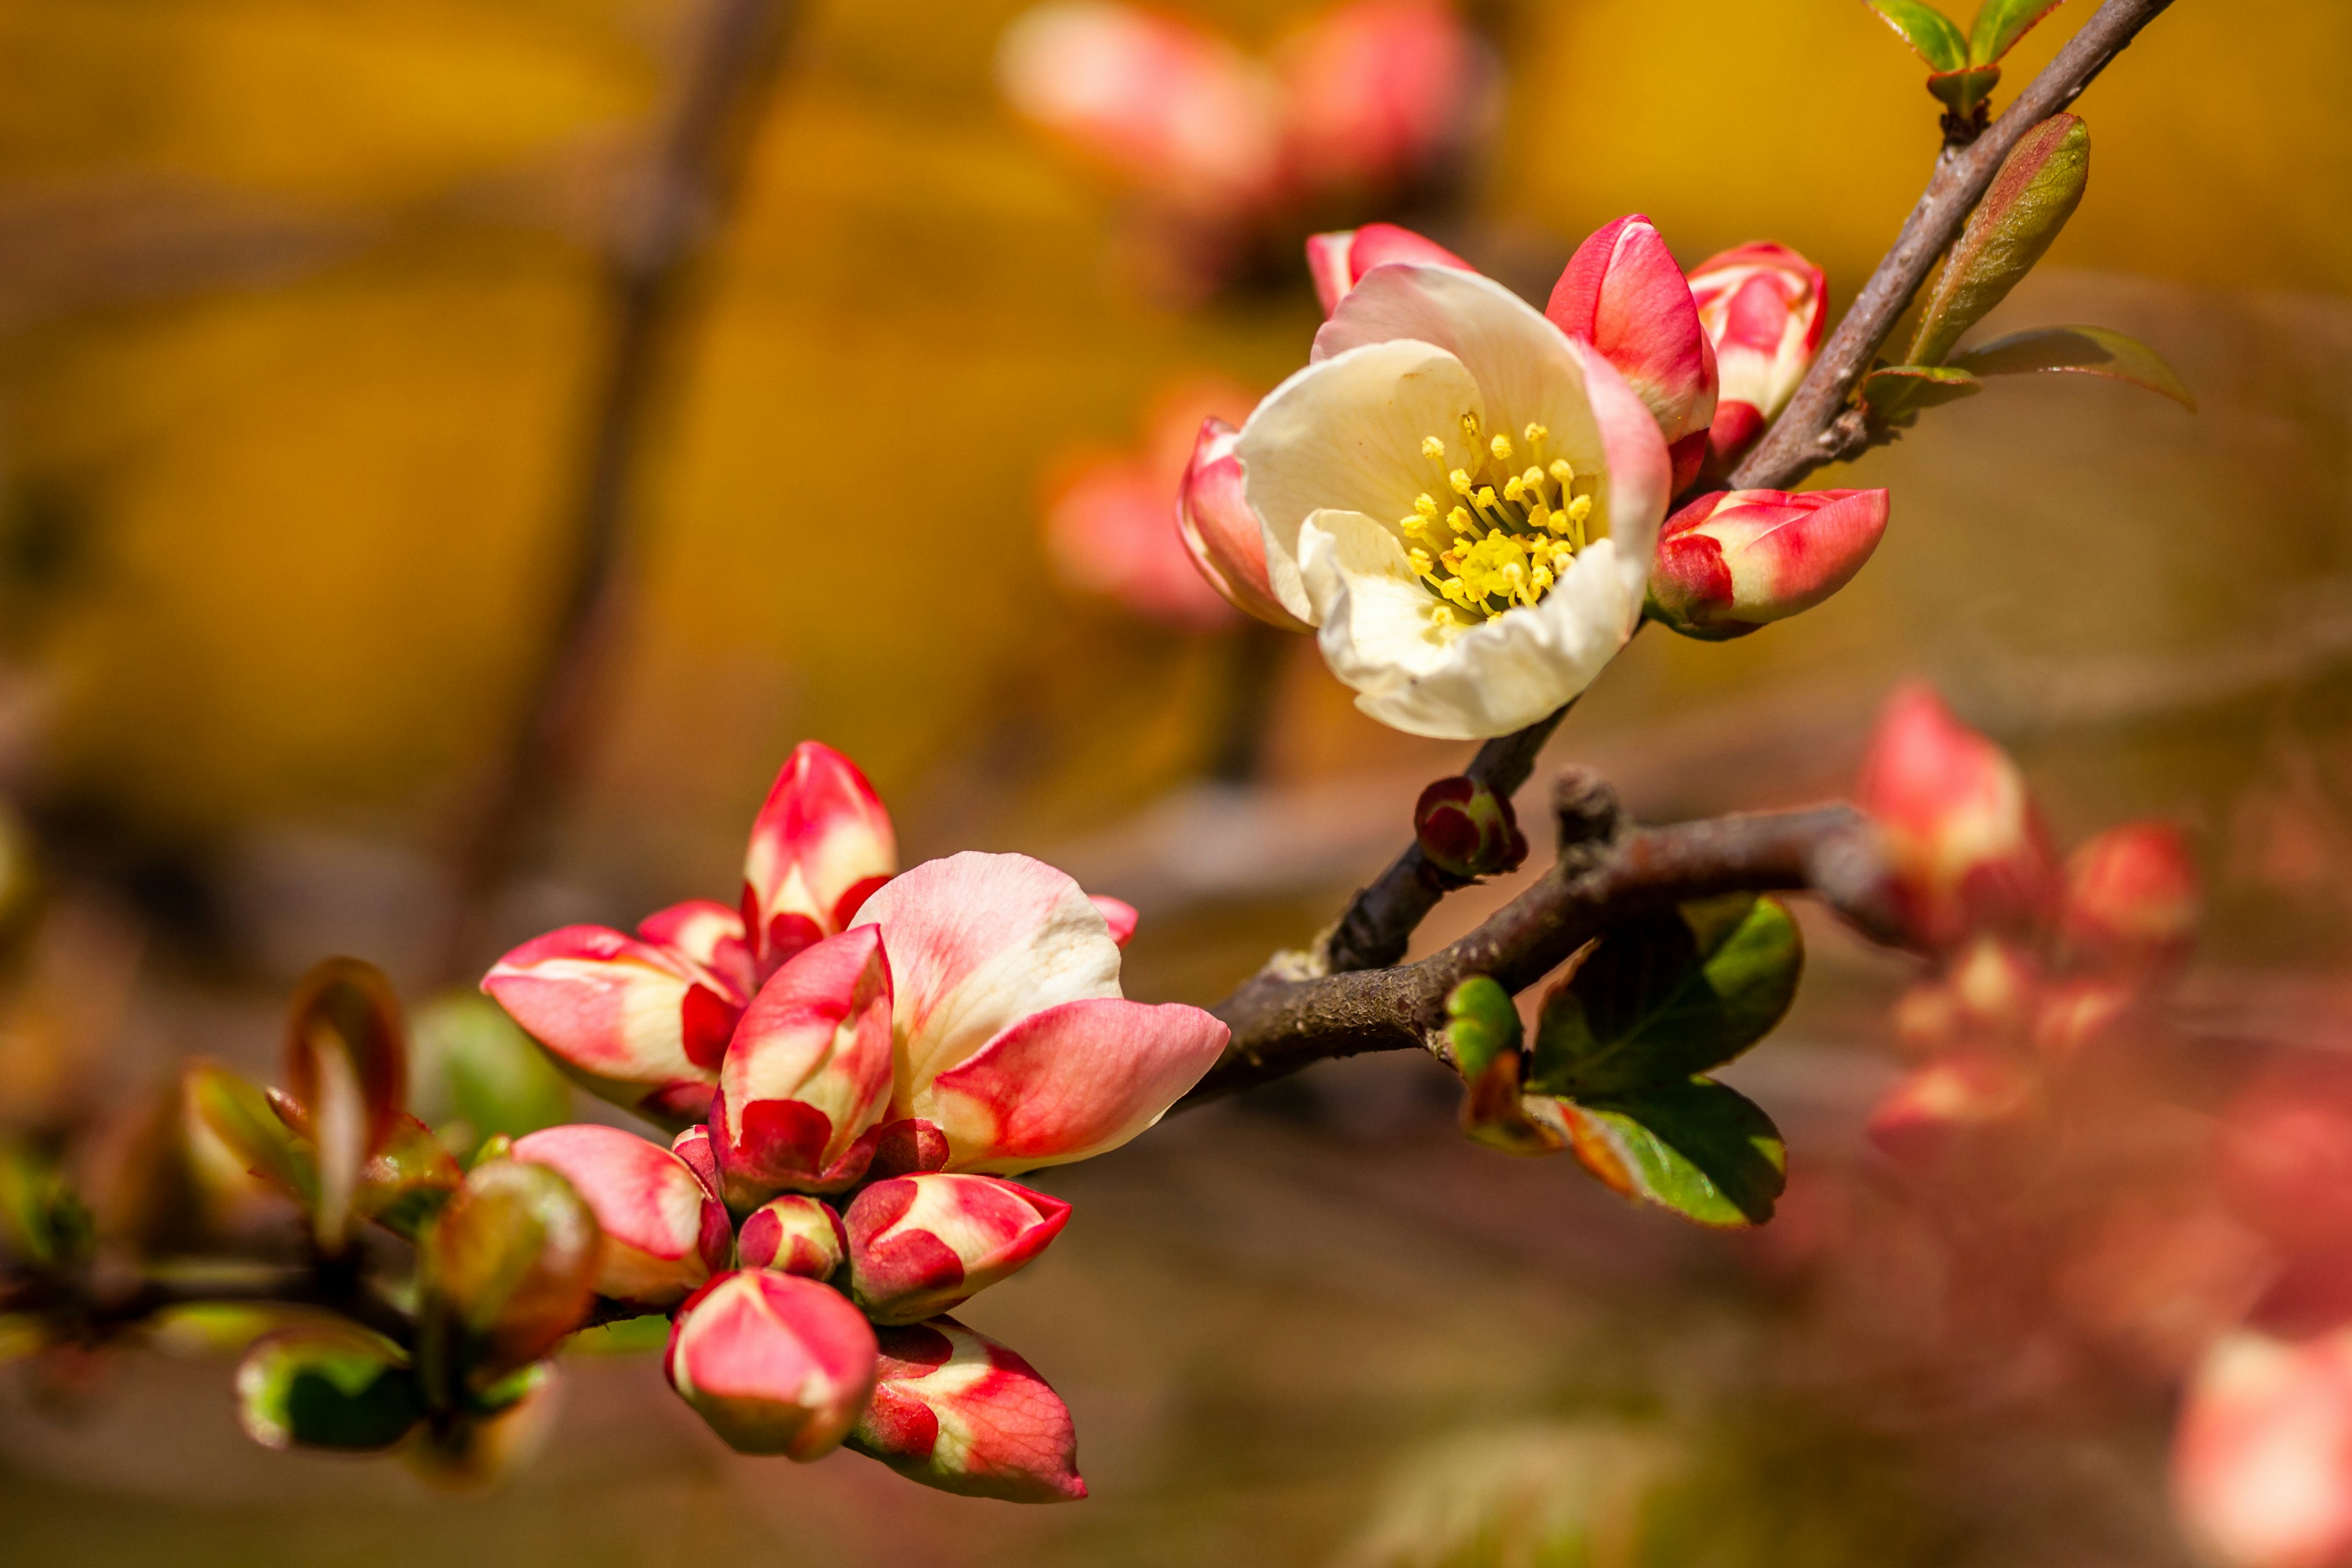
(2262, 1461)
(1376, 92)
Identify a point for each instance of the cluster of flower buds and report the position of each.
(2036, 961)
(1366, 99)
(1528, 500)
(893, 1048)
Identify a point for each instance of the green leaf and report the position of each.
(2001, 22)
(2039, 186)
(1928, 31)
(406, 1183)
(1894, 393)
(42, 1220)
(510, 1268)
(327, 1386)
(473, 1064)
(1961, 90)
(239, 1115)
(2081, 351)
(1668, 995)
(1704, 1151)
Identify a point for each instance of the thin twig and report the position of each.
(687, 188)
(1818, 427)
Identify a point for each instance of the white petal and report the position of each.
(1375, 613)
(1345, 434)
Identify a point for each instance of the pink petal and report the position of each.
(664, 1233)
(1071, 1082)
(776, 1364)
(1110, 530)
(1622, 293)
(1219, 530)
(639, 1024)
(820, 845)
(1339, 261)
(1120, 914)
(955, 1410)
(710, 934)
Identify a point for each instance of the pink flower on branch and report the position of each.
(923, 1244)
(1738, 560)
(775, 1365)
(1762, 307)
(955, 1410)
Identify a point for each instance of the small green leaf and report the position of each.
(510, 1268)
(239, 1115)
(327, 1386)
(1931, 33)
(406, 1183)
(2036, 191)
(1668, 995)
(1482, 1023)
(1894, 393)
(2082, 350)
(1961, 90)
(473, 1064)
(1704, 1151)
(2001, 22)
(42, 1220)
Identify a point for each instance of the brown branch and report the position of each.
(1606, 870)
(1818, 427)
(687, 188)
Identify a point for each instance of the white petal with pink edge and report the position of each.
(821, 838)
(640, 1024)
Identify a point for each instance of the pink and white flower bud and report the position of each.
(664, 1233)
(955, 1410)
(808, 1075)
(820, 846)
(2262, 1460)
(1761, 306)
(1220, 532)
(1377, 91)
(1738, 560)
(775, 1363)
(2131, 902)
(1622, 293)
(1961, 836)
(1465, 827)
(921, 1245)
(640, 1024)
(701, 1157)
(795, 1234)
(1338, 261)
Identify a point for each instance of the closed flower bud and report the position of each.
(1339, 261)
(1967, 1111)
(775, 1365)
(1622, 293)
(1465, 827)
(1761, 307)
(694, 1147)
(1732, 561)
(921, 1245)
(1962, 840)
(1221, 534)
(2262, 1460)
(795, 1234)
(664, 1233)
(955, 1410)
(2131, 901)
(1994, 984)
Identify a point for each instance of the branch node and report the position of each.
(1587, 809)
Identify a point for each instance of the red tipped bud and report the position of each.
(2131, 901)
(664, 1233)
(820, 846)
(1961, 837)
(955, 1410)
(795, 1234)
(921, 1245)
(1735, 561)
(1339, 260)
(1761, 307)
(2262, 1460)
(775, 1363)
(1622, 293)
(1465, 827)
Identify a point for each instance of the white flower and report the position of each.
(1462, 498)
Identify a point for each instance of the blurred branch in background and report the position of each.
(666, 222)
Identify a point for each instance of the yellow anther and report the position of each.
(1533, 478)
(1514, 490)
(1562, 470)
(1432, 449)
(1470, 430)
(1425, 504)
(1501, 446)
(1420, 560)
(1461, 521)
(1579, 508)
(1537, 434)
(1485, 500)
(1460, 479)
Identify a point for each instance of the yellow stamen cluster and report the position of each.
(1501, 543)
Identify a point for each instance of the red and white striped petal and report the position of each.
(1339, 261)
(795, 1234)
(955, 1410)
(710, 934)
(1622, 293)
(1737, 560)
(639, 1024)
(976, 944)
(664, 1233)
(808, 1074)
(920, 1245)
(776, 1364)
(1070, 1082)
(820, 845)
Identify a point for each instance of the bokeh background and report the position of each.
(304, 312)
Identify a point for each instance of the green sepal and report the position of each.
(2080, 351)
(1703, 1150)
(2035, 192)
(2001, 22)
(1931, 35)
(509, 1268)
(409, 1181)
(327, 1386)
(1667, 995)
(1962, 91)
